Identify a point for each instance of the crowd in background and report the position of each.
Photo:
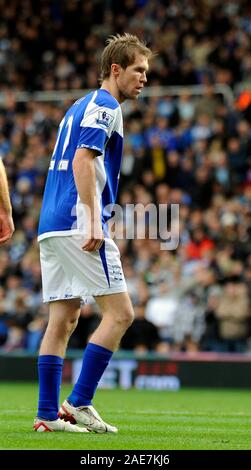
(186, 150)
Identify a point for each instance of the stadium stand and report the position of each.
(185, 148)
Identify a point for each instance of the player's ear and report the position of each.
(115, 69)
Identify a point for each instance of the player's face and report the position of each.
(132, 80)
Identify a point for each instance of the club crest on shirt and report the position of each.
(104, 118)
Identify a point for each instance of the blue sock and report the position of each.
(95, 361)
(50, 376)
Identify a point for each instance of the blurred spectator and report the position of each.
(233, 313)
(88, 321)
(210, 338)
(142, 335)
(199, 244)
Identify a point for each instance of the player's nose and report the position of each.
(143, 78)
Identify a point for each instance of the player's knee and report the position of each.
(125, 317)
(71, 324)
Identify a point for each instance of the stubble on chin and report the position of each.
(126, 96)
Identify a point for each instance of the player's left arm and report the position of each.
(96, 128)
(6, 221)
(85, 179)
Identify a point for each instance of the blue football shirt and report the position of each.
(93, 122)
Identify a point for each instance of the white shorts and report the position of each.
(68, 272)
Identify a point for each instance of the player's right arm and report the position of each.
(85, 180)
(6, 222)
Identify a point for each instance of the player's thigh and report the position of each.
(116, 304)
(64, 311)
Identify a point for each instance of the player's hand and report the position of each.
(6, 227)
(95, 238)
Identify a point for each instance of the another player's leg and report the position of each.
(117, 315)
(63, 318)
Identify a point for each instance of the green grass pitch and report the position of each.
(184, 420)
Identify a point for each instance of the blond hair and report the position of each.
(121, 50)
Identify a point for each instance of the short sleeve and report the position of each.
(96, 128)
